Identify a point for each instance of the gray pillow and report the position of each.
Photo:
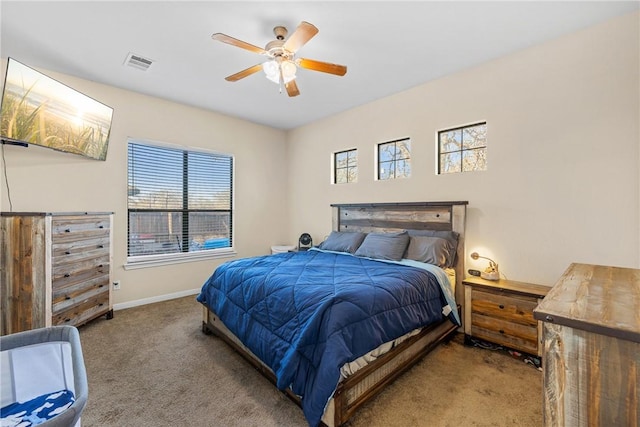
(389, 246)
(343, 241)
(449, 236)
(428, 249)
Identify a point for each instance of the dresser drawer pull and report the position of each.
(100, 286)
(101, 304)
(68, 230)
(67, 320)
(501, 306)
(100, 246)
(501, 331)
(101, 226)
(100, 266)
(67, 253)
(67, 297)
(67, 275)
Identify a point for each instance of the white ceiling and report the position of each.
(387, 46)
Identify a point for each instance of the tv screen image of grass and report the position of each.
(39, 110)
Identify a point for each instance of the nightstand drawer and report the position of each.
(512, 308)
(505, 333)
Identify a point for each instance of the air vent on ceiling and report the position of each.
(138, 62)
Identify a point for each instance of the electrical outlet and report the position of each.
(116, 285)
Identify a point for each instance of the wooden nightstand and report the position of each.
(502, 312)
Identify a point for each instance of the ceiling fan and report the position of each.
(281, 65)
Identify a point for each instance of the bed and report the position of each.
(295, 317)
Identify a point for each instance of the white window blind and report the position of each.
(178, 200)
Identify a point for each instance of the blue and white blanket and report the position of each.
(305, 314)
(37, 410)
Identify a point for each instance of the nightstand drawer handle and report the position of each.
(501, 331)
(501, 306)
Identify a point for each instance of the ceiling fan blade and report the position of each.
(300, 37)
(244, 73)
(292, 88)
(238, 43)
(325, 67)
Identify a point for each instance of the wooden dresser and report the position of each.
(55, 269)
(501, 311)
(591, 332)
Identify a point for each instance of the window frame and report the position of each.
(347, 168)
(151, 260)
(393, 161)
(462, 150)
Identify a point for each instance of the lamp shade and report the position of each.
(272, 70)
(288, 71)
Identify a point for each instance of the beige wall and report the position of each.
(562, 183)
(45, 180)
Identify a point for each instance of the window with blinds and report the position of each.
(178, 200)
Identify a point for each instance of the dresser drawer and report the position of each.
(65, 274)
(71, 293)
(81, 309)
(80, 248)
(509, 307)
(71, 229)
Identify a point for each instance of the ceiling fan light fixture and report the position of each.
(281, 66)
(288, 70)
(272, 70)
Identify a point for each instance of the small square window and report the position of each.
(394, 159)
(345, 166)
(463, 149)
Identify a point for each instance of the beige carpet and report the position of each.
(153, 366)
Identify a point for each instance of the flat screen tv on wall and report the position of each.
(39, 110)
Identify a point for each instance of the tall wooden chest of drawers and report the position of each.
(55, 269)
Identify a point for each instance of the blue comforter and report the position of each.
(305, 314)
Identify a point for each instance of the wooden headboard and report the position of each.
(391, 217)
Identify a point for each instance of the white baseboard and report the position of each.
(151, 300)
